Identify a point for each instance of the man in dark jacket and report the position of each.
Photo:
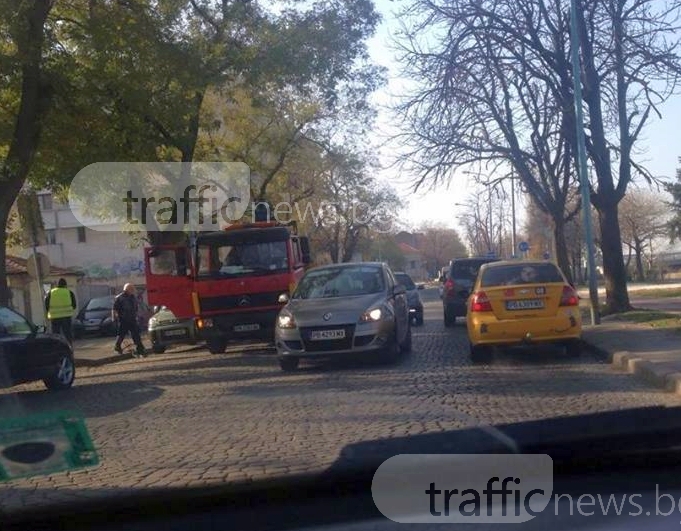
(124, 312)
(60, 305)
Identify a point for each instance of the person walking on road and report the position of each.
(60, 305)
(124, 313)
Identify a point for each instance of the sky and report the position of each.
(659, 143)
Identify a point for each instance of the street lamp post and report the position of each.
(513, 230)
(581, 158)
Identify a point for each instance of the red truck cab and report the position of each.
(229, 281)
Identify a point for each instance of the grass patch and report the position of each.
(655, 293)
(653, 318)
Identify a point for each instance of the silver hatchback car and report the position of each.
(342, 309)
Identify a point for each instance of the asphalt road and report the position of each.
(192, 418)
(666, 304)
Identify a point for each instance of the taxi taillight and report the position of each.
(569, 297)
(480, 302)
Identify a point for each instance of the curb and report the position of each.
(85, 362)
(644, 370)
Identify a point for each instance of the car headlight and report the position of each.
(152, 321)
(375, 314)
(286, 320)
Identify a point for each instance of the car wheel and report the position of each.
(573, 348)
(450, 318)
(419, 318)
(480, 353)
(406, 346)
(216, 346)
(63, 376)
(391, 352)
(158, 349)
(288, 363)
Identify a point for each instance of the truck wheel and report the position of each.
(216, 346)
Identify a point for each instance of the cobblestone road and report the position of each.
(191, 418)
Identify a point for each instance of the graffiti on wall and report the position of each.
(127, 267)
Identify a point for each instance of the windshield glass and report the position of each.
(244, 259)
(405, 280)
(102, 303)
(340, 282)
(520, 274)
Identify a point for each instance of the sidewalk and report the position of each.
(651, 354)
(97, 351)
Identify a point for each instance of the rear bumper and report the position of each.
(490, 331)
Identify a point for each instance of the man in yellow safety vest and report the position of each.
(60, 305)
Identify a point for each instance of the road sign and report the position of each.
(524, 247)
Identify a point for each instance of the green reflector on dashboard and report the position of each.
(44, 443)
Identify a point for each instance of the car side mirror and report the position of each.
(40, 329)
(283, 298)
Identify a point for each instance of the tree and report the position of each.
(25, 82)
(504, 58)
(643, 218)
(293, 67)
(348, 207)
(487, 98)
(439, 245)
(674, 189)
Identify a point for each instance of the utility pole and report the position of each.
(581, 159)
(513, 228)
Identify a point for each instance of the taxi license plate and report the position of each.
(529, 304)
(319, 335)
(246, 327)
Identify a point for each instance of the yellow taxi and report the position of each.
(516, 303)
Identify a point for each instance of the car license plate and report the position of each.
(175, 333)
(319, 335)
(529, 304)
(246, 327)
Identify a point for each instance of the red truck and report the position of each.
(229, 281)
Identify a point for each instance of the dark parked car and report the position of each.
(95, 317)
(28, 354)
(457, 286)
(415, 303)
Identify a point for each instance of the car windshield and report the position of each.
(520, 274)
(102, 303)
(261, 258)
(465, 270)
(340, 282)
(270, 173)
(405, 280)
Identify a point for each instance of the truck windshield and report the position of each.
(222, 260)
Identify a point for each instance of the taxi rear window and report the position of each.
(521, 274)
